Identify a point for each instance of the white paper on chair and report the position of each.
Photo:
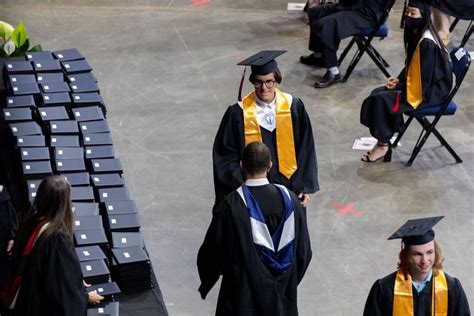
(367, 143)
(292, 6)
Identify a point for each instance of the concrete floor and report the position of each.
(167, 72)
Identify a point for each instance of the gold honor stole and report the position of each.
(284, 131)
(403, 295)
(414, 87)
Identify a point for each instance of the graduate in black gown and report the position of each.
(425, 81)
(8, 227)
(46, 278)
(277, 119)
(258, 241)
(419, 278)
(329, 24)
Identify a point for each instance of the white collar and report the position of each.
(265, 104)
(256, 182)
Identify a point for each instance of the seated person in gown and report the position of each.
(273, 117)
(425, 81)
(420, 287)
(8, 227)
(46, 277)
(258, 241)
(329, 24)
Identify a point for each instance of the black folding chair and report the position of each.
(461, 61)
(364, 45)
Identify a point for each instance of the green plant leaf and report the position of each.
(9, 47)
(36, 48)
(6, 30)
(19, 34)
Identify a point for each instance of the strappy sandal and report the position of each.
(386, 158)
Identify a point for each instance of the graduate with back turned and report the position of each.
(419, 287)
(258, 241)
(273, 117)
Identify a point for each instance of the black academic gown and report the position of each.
(58, 289)
(378, 110)
(380, 299)
(8, 227)
(229, 145)
(248, 287)
(330, 23)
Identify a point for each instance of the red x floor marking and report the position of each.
(345, 209)
(199, 3)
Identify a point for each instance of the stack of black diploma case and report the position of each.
(57, 122)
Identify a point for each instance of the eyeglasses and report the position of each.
(269, 83)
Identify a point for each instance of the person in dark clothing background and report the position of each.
(258, 241)
(8, 228)
(273, 117)
(425, 81)
(329, 24)
(420, 287)
(46, 277)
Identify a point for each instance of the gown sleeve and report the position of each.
(63, 278)
(303, 251)
(306, 176)
(458, 301)
(226, 155)
(376, 303)
(210, 258)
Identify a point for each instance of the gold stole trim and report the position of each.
(284, 131)
(414, 87)
(403, 295)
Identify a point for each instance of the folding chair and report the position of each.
(364, 44)
(461, 62)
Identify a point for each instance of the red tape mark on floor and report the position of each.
(199, 3)
(345, 209)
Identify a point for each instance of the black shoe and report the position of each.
(328, 80)
(312, 60)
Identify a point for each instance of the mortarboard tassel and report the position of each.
(241, 85)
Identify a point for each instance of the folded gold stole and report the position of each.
(284, 131)
(414, 86)
(403, 295)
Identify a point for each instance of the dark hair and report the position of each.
(53, 204)
(276, 73)
(256, 158)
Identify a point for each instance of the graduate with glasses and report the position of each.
(273, 117)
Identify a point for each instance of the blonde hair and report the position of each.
(405, 263)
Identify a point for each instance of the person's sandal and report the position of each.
(386, 158)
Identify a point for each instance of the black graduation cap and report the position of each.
(93, 152)
(63, 127)
(61, 153)
(84, 86)
(90, 237)
(21, 79)
(261, 63)
(91, 113)
(86, 99)
(18, 67)
(107, 180)
(86, 76)
(123, 239)
(88, 222)
(114, 194)
(21, 101)
(68, 54)
(96, 138)
(120, 207)
(25, 128)
(111, 309)
(83, 194)
(36, 169)
(124, 222)
(417, 231)
(105, 289)
(95, 271)
(106, 165)
(71, 165)
(76, 66)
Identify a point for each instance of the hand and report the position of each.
(304, 199)
(392, 83)
(85, 284)
(94, 298)
(10, 246)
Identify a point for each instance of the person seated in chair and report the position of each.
(425, 81)
(329, 24)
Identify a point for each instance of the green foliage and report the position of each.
(15, 40)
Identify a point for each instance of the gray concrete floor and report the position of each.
(167, 72)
